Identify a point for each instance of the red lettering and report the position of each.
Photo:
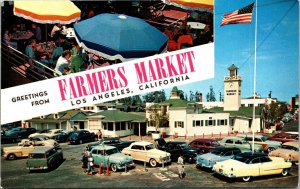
(141, 72)
(102, 80)
(152, 75)
(81, 89)
(121, 73)
(72, 89)
(160, 70)
(171, 68)
(62, 88)
(92, 83)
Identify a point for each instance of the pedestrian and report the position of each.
(180, 167)
(85, 159)
(99, 134)
(90, 164)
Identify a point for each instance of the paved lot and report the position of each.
(70, 175)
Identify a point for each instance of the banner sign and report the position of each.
(103, 84)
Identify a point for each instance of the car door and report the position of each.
(254, 167)
(268, 167)
(138, 152)
(26, 149)
(174, 150)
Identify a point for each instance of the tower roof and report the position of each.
(233, 67)
(175, 89)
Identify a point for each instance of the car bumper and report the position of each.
(37, 168)
(228, 175)
(204, 165)
(128, 165)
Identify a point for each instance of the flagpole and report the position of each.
(254, 82)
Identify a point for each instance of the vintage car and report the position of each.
(240, 143)
(288, 151)
(145, 151)
(20, 132)
(50, 133)
(9, 139)
(204, 144)
(247, 165)
(39, 140)
(267, 145)
(44, 158)
(216, 155)
(284, 137)
(111, 156)
(111, 142)
(15, 152)
(63, 136)
(177, 148)
(81, 136)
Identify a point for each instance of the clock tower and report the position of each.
(232, 90)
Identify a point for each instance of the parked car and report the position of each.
(177, 148)
(81, 136)
(111, 156)
(145, 151)
(44, 158)
(267, 145)
(20, 132)
(50, 133)
(39, 140)
(247, 165)
(62, 137)
(9, 139)
(284, 137)
(240, 143)
(111, 142)
(14, 152)
(288, 151)
(204, 144)
(216, 155)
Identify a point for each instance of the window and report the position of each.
(123, 126)
(197, 123)
(265, 159)
(235, 152)
(110, 126)
(179, 124)
(207, 144)
(118, 126)
(238, 142)
(104, 126)
(137, 147)
(255, 160)
(230, 141)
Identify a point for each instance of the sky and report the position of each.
(277, 59)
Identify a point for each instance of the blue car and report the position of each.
(216, 155)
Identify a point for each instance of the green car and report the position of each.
(44, 158)
(111, 156)
(237, 142)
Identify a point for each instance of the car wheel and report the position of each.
(113, 167)
(80, 142)
(247, 178)
(153, 162)
(284, 172)
(11, 156)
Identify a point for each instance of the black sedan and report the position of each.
(111, 142)
(177, 148)
(81, 136)
(62, 137)
(20, 132)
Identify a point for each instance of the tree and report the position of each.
(211, 97)
(272, 112)
(156, 96)
(157, 117)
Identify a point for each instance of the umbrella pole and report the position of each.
(46, 33)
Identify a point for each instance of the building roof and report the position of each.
(242, 112)
(232, 67)
(176, 103)
(175, 89)
(118, 116)
(62, 116)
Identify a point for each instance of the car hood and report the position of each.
(121, 157)
(191, 150)
(158, 152)
(283, 152)
(207, 156)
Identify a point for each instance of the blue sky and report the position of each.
(277, 49)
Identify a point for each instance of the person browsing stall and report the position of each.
(62, 63)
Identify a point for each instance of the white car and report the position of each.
(50, 133)
(145, 151)
(39, 140)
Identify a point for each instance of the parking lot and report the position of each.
(70, 175)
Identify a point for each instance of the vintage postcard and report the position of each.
(154, 94)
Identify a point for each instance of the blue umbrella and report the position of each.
(115, 36)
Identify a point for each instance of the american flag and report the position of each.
(241, 16)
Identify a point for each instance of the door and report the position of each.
(138, 152)
(268, 167)
(26, 150)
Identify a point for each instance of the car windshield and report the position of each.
(217, 152)
(289, 147)
(184, 145)
(149, 147)
(215, 143)
(36, 156)
(112, 151)
(241, 159)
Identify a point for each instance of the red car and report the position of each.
(205, 145)
(284, 137)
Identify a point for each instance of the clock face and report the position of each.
(231, 84)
